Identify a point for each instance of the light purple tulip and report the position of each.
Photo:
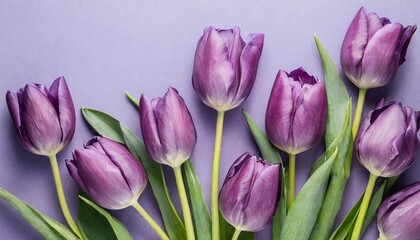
(248, 197)
(44, 119)
(399, 215)
(373, 49)
(225, 67)
(167, 128)
(297, 111)
(108, 173)
(387, 140)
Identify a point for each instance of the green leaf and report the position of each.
(202, 220)
(132, 99)
(103, 124)
(271, 154)
(302, 215)
(96, 223)
(46, 226)
(173, 223)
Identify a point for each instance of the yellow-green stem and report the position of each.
(150, 221)
(215, 176)
(363, 207)
(236, 234)
(61, 197)
(359, 111)
(292, 171)
(184, 203)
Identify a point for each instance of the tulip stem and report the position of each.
(236, 234)
(61, 197)
(359, 111)
(292, 171)
(215, 176)
(150, 221)
(363, 207)
(184, 203)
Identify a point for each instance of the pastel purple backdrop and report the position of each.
(106, 47)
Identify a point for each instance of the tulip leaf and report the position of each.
(132, 99)
(96, 223)
(271, 154)
(345, 229)
(202, 220)
(103, 124)
(173, 223)
(46, 226)
(303, 214)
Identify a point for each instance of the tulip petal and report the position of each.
(380, 60)
(375, 23)
(66, 113)
(404, 41)
(72, 168)
(39, 121)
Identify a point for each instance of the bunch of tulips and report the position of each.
(301, 108)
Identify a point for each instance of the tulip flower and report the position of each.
(296, 115)
(399, 215)
(45, 121)
(249, 193)
(170, 137)
(385, 145)
(372, 51)
(111, 176)
(224, 72)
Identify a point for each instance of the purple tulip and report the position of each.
(296, 112)
(167, 128)
(399, 215)
(373, 49)
(108, 173)
(249, 194)
(387, 140)
(225, 67)
(44, 119)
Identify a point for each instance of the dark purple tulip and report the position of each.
(373, 49)
(399, 215)
(167, 128)
(44, 119)
(297, 111)
(387, 140)
(108, 173)
(225, 67)
(248, 197)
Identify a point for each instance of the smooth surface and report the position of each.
(104, 48)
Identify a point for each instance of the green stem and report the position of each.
(61, 197)
(292, 171)
(215, 176)
(236, 234)
(184, 203)
(150, 221)
(363, 207)
(359, 111)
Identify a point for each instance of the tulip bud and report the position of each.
(225, 67)
(44, 119)
(296, 112)
(373, 49)
(399, 215)
(108, 173)
(167, 128)
(387, 140)
(249, 193)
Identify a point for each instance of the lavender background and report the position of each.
(106, 47)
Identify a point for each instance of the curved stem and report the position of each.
(184, 204)
(215, 176)
(359, 111)
(150, 221)
(363, 207)
(292, 170)
(61, 197)
(236, 234)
